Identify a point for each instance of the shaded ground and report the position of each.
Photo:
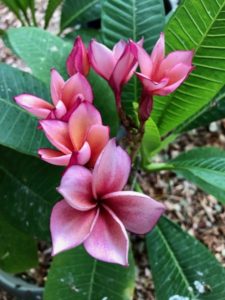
(200, 214)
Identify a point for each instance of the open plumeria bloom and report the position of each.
(65, 97)
(96, 212)
(79, 141)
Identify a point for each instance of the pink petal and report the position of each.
(75, 187)
(76, 86)
(101, 59)
(144, 60)
(80, 122)
(158, 52)
(57, 84)
(150, 85)
(108, 240)
(118, 49)
(36, 106)
(54, 157)
(82, 156)
(58, 134)
(138, 212)
(111, 170)
(60, 109)
(97, 138)
(70, 227)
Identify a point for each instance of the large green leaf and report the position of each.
(40, 50)
(76, 275)
(18, 252)
(195, 25)
(18, 128)
(182, 268)
(52, 6)
(27, 188)
(82, 10)
(205, 167)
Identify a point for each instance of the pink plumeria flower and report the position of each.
(78, 59)
(96, 212)
(161, 75)
(65, 96)
(116, 66)
(79, 141)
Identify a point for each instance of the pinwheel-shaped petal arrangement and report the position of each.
(65, 97)
(96, 212)
(79, 141)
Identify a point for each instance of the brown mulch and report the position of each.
(199, 214)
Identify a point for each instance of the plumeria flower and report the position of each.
(79, 141)
(116, 66)
(96, 212)
(65, 97)
(78, 59)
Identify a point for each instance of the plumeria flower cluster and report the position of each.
(94, 210)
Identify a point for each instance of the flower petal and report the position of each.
(54, 157)
(80, 122)
(101, 59)
(60, 109)
(75, 187)
(118, 49)
(36, 106)
(76, 86)
(82, 156)
(58, 134)
(97, 138)
(138, 212)
(108, 240)
(69, 227)
(144, 60)
(111, 170)
(57, 84)
(150, 85)
(158, 52)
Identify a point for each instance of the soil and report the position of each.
(199, 214)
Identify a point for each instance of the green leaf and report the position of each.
(132, 19)
(151, 139)
(18, 128)
(86, 34)
(18, 252)
(75, 274)
(205, 167)
(52, 6)
(195, 25)
(182, 266)
(213, 111)
(104, 102)
(40, 50)
(28, 191)
(82, 10)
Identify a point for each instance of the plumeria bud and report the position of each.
(66, 96)
(96, 212)
(78, 59)
(116, 66)
(78, 141)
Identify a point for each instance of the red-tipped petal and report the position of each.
(36, 106)
(57, 84)
(58, 134)
(138, 212)
(108, 240)
(70, 227)
(75, 187)
(101, 59)
(54, 157)
(111, 170)
(80, 122)
(97, 138)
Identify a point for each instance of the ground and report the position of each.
(200, 214)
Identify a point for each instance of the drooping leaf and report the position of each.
(182, 267)
(18, 251)
(27, 187)
(40, 50)
(195, 25)
(82, 10)
(52, 6)
(75, 274)
(205, 167)
(18, 128)
(151, 139)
